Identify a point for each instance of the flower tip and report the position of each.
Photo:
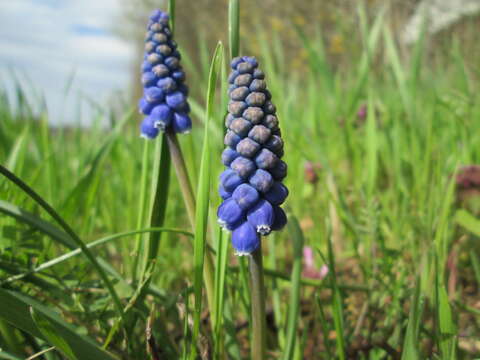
(242, 253)
(263, 229)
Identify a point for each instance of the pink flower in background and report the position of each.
(362, 112)
(309, 269)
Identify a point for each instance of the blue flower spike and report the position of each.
(251, 186)
(164, 100)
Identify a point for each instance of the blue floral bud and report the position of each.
(236, 108)
(154, 94)
(230, 180)
(245, 67)
(243, 80)
(245, 239)
(247, 147)
(148, 130)
(176, 100)
(258, 74)
(235, 61)
(261, 180)
(240, 126)
(280, 218)
(228, 120)
(230, 214)
(231, 139)
(279, 171)
(243, 167)
(145, 107)
(228, 155)
(165, 95)
(148, 79)
(246, 196)
(251, 60)
(261, 217)
(167, 85)
(258, 85)
(266, 159)
(259, 133)
(239, 93)
(162, 115)
(253, 114)
(182, 123)
(232, 77)
(224, 194)
(269, 108)
(277, 194)
(255, 99)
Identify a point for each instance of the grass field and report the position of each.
(372, 193)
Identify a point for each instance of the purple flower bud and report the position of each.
(231, 139)
(228, 120)
(245, 239)
(176, 100)
(258, 74)
(232, 76)
(182, 123)
(148, 130)
(235, 61)
(279, 171)
(246, 196)
(275, 144)
(259, 133)
(243, 167)
(255, 99)
(269, 108)
(179, 75)
(160, 70)
(243, 80)
(253, 114)
(247, 147)
(271, 122)
(258, 85)
(261, 180)
(224, 194)
(251, 60)
(145, 107)
(228, 155)
(162, 115)
(167, 85)
(266, 159)
(230, 214)
(280, 218)
(148, 79)
(240, 126)
(146, 66)
(261, 217)
(277, 194)
(236, 108)
(164, 50)
(230, 180)
(154, 94)
(172, 62)
(239, 93)
(245, 67)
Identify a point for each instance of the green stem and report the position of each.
(257, 290)
(189, 198)
(141, 210)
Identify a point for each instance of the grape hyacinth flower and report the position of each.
(251, 186)
(164, 102)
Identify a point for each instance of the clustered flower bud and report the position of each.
(164, 102)
(251, 187)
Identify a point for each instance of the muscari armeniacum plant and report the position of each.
(251, 186)
(164, 101)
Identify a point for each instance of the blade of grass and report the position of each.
(411, 342)
(234, 27)
(51, 211)
(203, 195)
(294, 307)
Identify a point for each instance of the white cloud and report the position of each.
(48, 39)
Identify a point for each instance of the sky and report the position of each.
(49, 40)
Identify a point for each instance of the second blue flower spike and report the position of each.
(164, 101)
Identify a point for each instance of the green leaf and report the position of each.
(51, 332)
(468, 221)
(233, 27)
(411, 343)
(15, 310)
(203, 195)
(294, 308)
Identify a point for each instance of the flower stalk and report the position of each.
(257, 292)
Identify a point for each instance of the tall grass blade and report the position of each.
(203, 195)
(234, 27)
(294, 306)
